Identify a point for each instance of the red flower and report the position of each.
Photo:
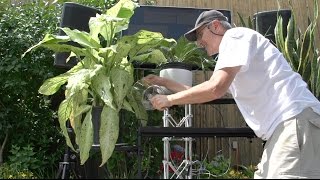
(176, 157)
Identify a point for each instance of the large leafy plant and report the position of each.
(102, 77)
(300, 49)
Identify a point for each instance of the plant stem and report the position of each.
(2, 147)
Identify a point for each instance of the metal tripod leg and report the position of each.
(63, 171)
(66, 167)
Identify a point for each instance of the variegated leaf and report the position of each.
(109, 132)
(86, 137)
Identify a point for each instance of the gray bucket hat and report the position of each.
(204, 17)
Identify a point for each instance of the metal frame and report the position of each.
(184, 169)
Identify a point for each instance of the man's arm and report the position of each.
(207, 91)
(173, 86)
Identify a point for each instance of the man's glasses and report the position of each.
(199, 32)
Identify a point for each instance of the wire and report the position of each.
(220, 114)
(202, 169)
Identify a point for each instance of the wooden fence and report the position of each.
(247, 8)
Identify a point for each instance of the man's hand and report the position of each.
(160, 102)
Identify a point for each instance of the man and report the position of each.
(273, 99)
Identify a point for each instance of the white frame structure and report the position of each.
(184, 169)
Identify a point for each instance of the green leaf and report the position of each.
(105, 52)
(134, 101)
(79, 107)
(82, 109)
(290, 44)
(109, 132)
(305, 50)
(120, 54)
(52, 85)
(123, 9)
(155, 56)
(78, 81)
(102, 86)
(126, 105)
(64, 112)
(307, 72)
(81, 37)
(142, 42)
(278, 33)
(316, 10)
(122, 81)
(250, 23)
(242, 22)
(114, 21)
(48, 39)
(86, 137)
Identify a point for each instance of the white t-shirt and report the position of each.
(267, 91)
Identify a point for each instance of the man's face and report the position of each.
(207, 39)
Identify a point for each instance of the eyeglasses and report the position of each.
(199, 32)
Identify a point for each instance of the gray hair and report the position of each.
(226, 25)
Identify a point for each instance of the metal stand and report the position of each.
(68, 165)
(184, 169)
(177, 130)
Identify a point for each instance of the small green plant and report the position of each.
(188, 52)
(7, 172)
(23, 158)
(22, 162)
(220, 168)
(243, 23)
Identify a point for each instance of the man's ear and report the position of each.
(215, 23)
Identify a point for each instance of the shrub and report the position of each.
(25, 116)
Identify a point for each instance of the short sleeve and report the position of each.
(235, 49)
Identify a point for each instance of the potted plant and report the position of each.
(183, 57)
(185, 51)
(300, 50)
(103, 76)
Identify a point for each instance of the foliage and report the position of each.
(23, 158)
(300, 49)
(151, 2)
(188, 52)
(98, 4)
(220, 168)
(102, 77)
(26, 116)
(3, 6)
(124, 165)
(243, 23)
(7, 172)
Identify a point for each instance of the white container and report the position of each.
(179, 72)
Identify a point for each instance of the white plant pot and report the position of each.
(179, 72)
